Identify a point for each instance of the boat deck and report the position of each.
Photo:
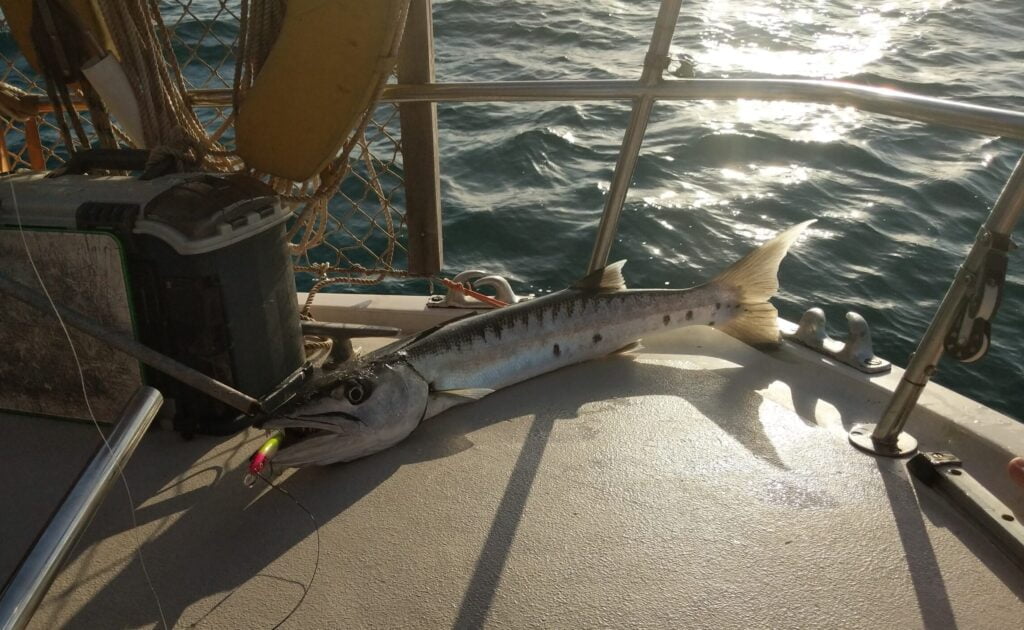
(698, 484)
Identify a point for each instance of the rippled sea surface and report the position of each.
(898, 203)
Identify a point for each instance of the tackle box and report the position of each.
(193, 265)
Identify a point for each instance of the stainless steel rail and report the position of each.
(885, 101)
(654, 65)
(887, 437)
(889, 102)
(28, 585)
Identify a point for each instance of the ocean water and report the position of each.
(898, 203)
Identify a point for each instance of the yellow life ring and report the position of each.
(18, 14)
(321, 75)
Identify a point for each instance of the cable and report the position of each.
(85, 396)
(316, 530)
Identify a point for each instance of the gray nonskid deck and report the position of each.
(649, 492)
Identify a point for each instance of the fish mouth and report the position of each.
(312, 425)
(298, 429)
(299, 437)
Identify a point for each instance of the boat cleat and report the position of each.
(473, 279)
(857, 352)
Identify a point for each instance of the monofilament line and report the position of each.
(88, 405)
(316, 531)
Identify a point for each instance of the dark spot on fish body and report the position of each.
(666, 319)
(718, 305)
(597, 337)
(689, 315)
(711, 323)
(557, 351)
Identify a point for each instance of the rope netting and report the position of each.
(349, 221)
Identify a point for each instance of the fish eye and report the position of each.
(357, 390)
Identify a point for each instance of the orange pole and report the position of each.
(35, 145)
(5, 157)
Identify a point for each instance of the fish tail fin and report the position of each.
(755, 278)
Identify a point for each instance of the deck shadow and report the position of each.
(942, 514)
(922, 564)
(222, 539)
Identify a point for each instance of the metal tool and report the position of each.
(191, 377)
(944, 473)
(36, 572)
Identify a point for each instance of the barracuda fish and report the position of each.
(376, 401)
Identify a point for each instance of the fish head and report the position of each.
(357, 412)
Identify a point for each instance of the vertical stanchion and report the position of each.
(654, 64)
(419, 144)
(887, 437)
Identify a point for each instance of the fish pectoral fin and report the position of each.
(630, 347)
(474, 393)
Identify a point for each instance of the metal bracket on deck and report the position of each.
(857, 352)
(944, 473)
(475, 279)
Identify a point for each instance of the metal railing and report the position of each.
(887, 438)
(418, 89)
(29, 584)
(886, 101)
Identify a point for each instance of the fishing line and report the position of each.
(88, 405)
(316, 530)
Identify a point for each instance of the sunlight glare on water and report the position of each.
(897, 202)
(843, 47)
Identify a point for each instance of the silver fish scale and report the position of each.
(511, 344)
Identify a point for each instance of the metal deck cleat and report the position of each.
(475, 279)
(857, 352)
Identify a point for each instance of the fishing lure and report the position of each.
(262, 457)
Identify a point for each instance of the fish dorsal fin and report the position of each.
(606, 280)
